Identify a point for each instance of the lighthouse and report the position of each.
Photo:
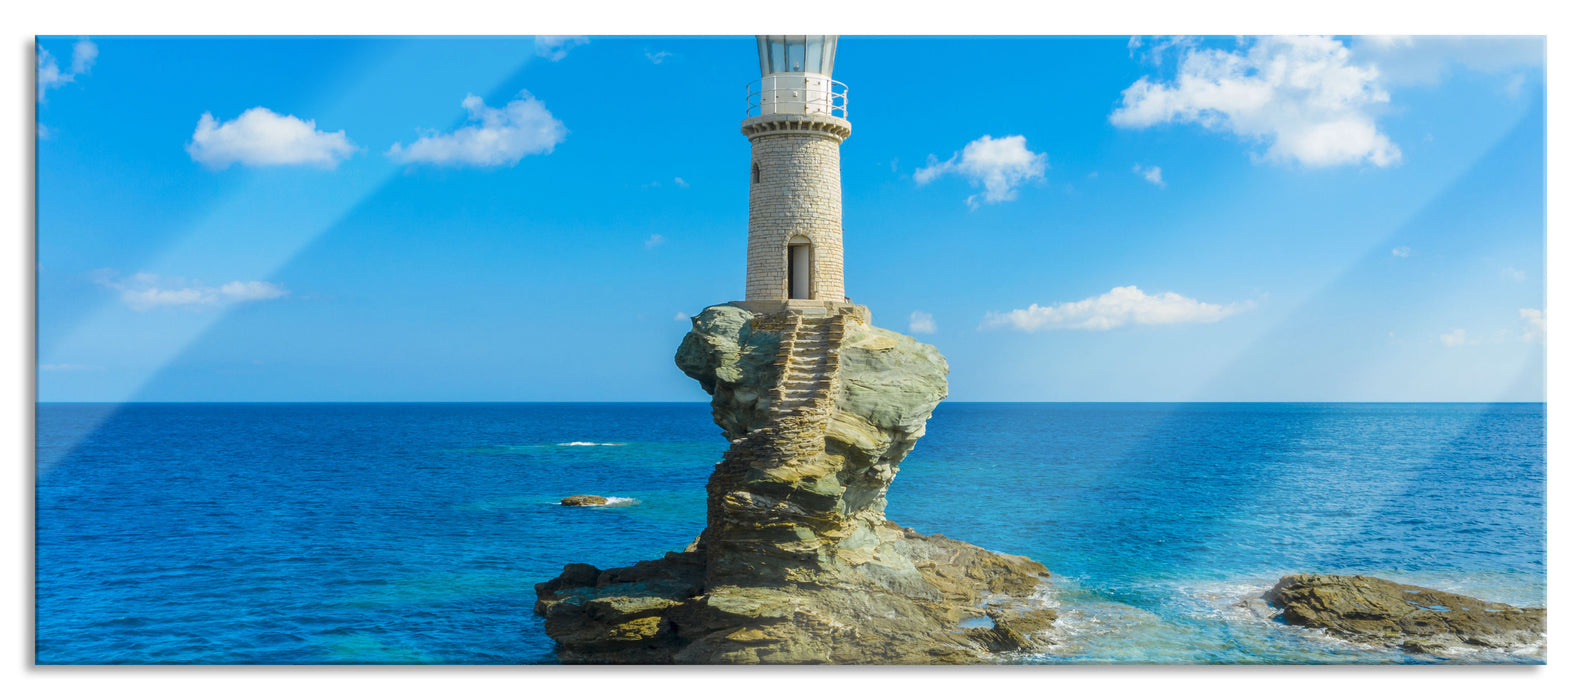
(796, 121)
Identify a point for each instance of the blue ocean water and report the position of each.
(412, 533)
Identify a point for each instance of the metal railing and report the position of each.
(796, 94)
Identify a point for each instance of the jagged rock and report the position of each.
(798, 563)
(584, 500)
(1416, 619)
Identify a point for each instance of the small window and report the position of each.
(756, 176)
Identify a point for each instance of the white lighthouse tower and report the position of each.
(796, 122)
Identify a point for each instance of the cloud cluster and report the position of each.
(1536, 327)
(657, 57)
(50, 75)
(1121, 306)
(1302, 98)
(260, 137)
(922, 323)
(499, 137)
(146, 290)
(998, 165)
(555, 48)
(1401, 251)
(1150, 173)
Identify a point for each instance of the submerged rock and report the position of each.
(797, 563)
(1416, 619)
(584, 500)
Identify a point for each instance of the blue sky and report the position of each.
(521, 219)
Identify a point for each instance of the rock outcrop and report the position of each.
(1415, 619)
(584, 500)
(798, 563)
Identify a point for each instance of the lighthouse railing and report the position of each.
(796, 94)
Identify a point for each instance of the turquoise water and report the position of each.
(412, 533)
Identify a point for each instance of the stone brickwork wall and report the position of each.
(797, 194)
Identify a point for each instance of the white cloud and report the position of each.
(1454, 338)
(682, 316)
(654, 241)
(1425, 60)
(1537, 326)
(1302, 98)
(1401, 251)
(555, 48)
(146, 290)
(1513, 274)
(261, 137)
(999, 166)
(682, 183)
(657, 57)
(50, 75)
(1118, 307)
(500, 137)
(1151, 173)
(1155, 50)
(922, 323)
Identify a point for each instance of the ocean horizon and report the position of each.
(413, 532)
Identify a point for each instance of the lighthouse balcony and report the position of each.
(796, 93)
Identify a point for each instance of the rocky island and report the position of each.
(1415, 619)
(797, 562)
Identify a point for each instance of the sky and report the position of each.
(536, 218)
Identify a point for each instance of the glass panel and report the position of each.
(829, 53)
(796, 48)
(777, 54)
(763, 55)
(815, 54)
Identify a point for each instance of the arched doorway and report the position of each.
(799, 262)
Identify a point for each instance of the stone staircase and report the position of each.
(809, 361)
(801, 403)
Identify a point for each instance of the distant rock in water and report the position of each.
(1416, 619)
(797, 563)
(584, 500)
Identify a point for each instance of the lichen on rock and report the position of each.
(797, 562)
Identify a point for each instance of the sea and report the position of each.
(412, 533)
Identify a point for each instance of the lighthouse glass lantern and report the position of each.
(797, 72)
